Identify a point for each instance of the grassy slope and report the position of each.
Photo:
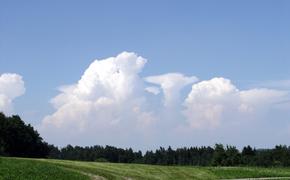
(15, 169)
(59, 169)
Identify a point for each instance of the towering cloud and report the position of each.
(11, 87)
(110, 104)
(108, 97)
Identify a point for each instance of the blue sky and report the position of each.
(52, 43)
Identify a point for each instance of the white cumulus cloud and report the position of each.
(110, 104)
(171, 85)
(11, 87)
(109, 95)
(212, 101)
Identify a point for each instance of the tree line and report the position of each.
(20, 140)
(219, 155)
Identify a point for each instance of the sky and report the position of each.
(144, 73)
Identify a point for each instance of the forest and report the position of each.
(18, 139)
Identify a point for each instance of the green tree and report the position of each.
(19, 139)
(219, 155)
(248, 156)
(233, 156)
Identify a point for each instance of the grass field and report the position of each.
(20, 168)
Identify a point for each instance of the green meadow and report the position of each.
(32, 169)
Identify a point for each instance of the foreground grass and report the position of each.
(15, 168)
